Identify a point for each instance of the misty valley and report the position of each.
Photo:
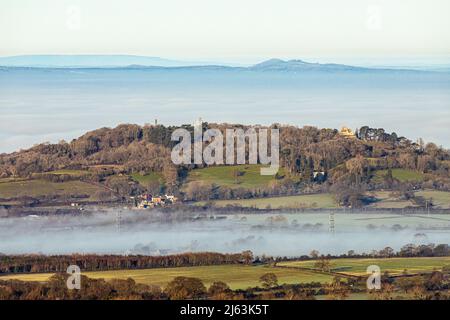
(125, 232)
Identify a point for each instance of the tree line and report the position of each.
(92, 262)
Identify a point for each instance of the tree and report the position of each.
(351, 253)
(269, 280)
(182, 288)
(237, 174)
(219, 290)
(408, 283)
(446, 269)
(419, 293)
(389, 178)
(314, 254)
(247, 256)
(323, 264)
(435, 281)
(299, 294)
(441, 250)
(154, 187)
(337, 289)
(357, 167)
(385, 293)
(387, 252)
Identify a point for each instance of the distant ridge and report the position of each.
(144, 62)
(88, 61)
(297, 65)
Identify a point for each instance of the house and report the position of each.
(347, 132)
(149, 201)
(157, 200)
(319, 176)
(145, 204)
(171, 198)
(146, 197)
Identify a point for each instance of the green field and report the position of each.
(147, 178)
(242, 277)
(323, 200)
(394, 266)
(74, 173)
(403, 175)
(236, 276)
(386, 199)
(440, 198)
(37, 188)
(8, 180)
(250, 176)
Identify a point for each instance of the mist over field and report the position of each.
(42, 104)
(135, 232)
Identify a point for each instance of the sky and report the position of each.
(384, 31)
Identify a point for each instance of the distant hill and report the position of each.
(110, 164)
(80, 61)
(278, 65)
(144, 62)
(300, 65)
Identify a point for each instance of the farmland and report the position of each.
(242, 276)
(395, 266)
(244, 176)
(440, 198)
(385, 199)
(324, 200)
(73, 173)
(236, 276)
(39, 188)
(145, 179)
(403, 175)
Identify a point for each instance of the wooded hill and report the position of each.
(131, 159)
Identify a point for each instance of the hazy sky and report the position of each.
(234, 30)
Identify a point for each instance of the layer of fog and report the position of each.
(150, 233)
(50, 105)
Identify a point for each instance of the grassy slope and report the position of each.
(241, 277)
(147, 178)
(392, 265)
(36, 188)
(324, 200)
(440, 198)
(236, 276)
(402, 175)
(74, 173)
(19, 187)
(386, 200)
(223, 176)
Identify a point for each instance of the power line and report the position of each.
(331, 223)
(118, 221)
